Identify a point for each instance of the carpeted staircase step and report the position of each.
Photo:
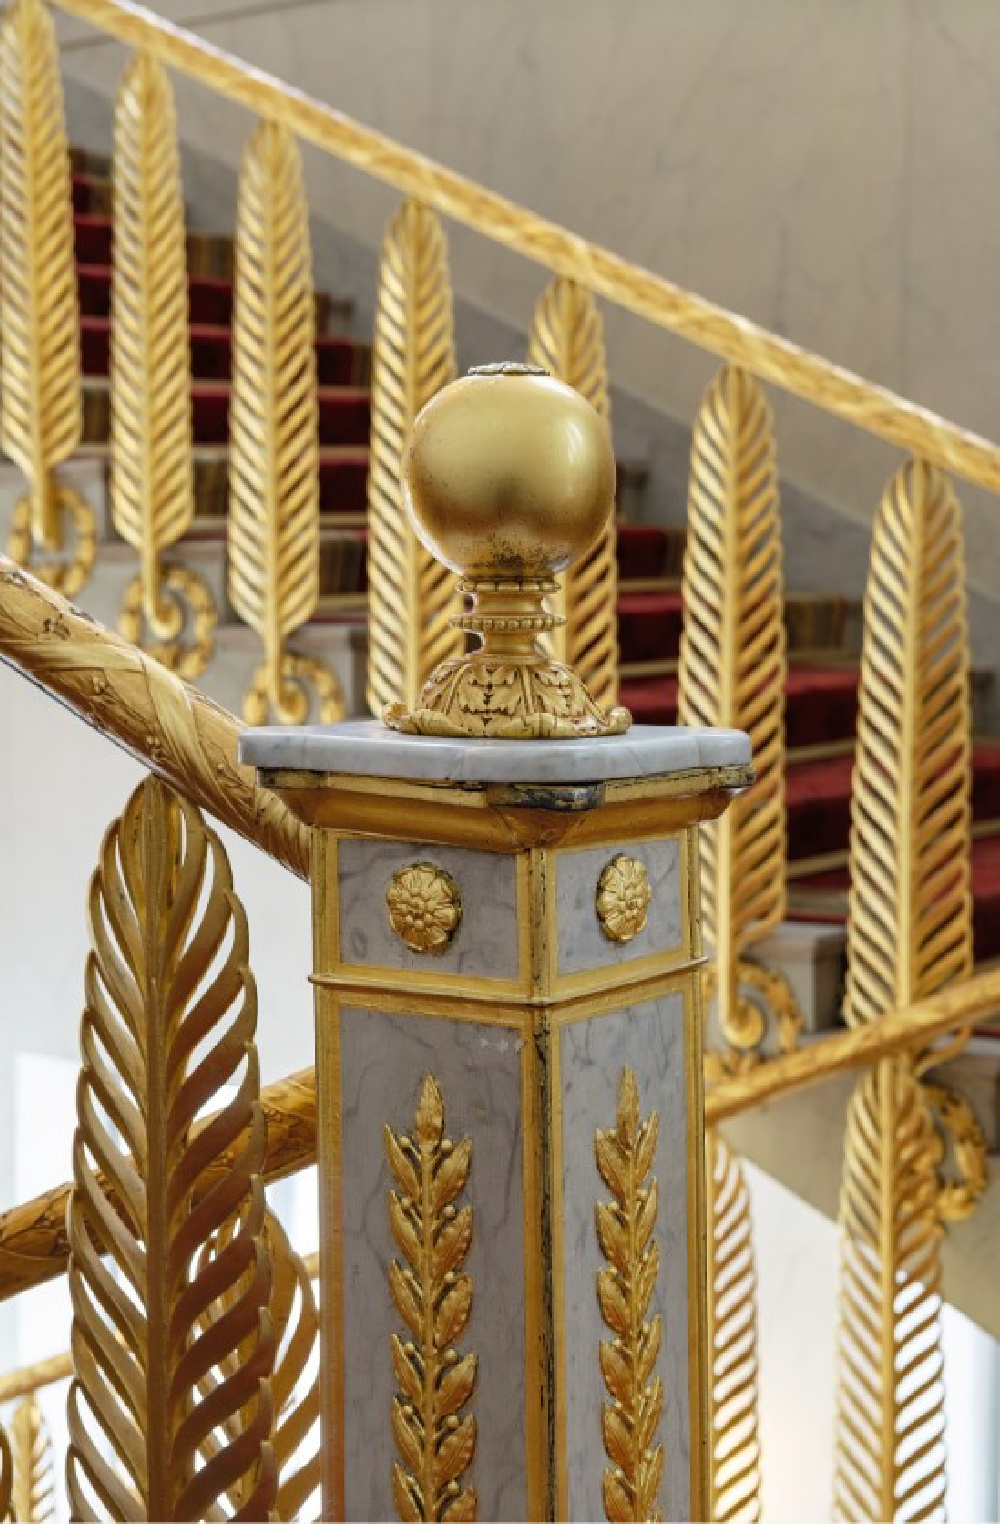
(818, 802)
(650, 551)
(344, 414)
(824, 896)
(210, 300)
(339, 361)
(343, 486)
(820, 703)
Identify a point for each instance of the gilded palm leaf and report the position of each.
(910, 903)
(732, 1311)
(6, 1477)
(170, 1018)
(889, 1457)
(567, 339)
(31, 1444)
(411, 597)
(42, 413)
(151, 473)
(273, 421)
(909, 935)
(732, 671)
(295, 1320)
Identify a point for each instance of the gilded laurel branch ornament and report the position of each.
(425, 907)
(625, 1229)
(169, 610)
(170, 1018)
(433, 1296)
(413, 356)
(624, 895)
(41, 416)
(31, 1443)
(274, 520)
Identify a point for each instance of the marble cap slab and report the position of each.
(367, 748)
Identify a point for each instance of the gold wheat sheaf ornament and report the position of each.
(625, 1228)
(412, 598)
(294, 1381)
(274, 433)
(909, 935)
(169, 610)
(732, 672)
(41, 418)
(170, 1019)
(31, 1443)
(567, 340)
(433, 1296)
(732, 1339)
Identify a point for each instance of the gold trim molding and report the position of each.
(433, 1296)
(625, 1228)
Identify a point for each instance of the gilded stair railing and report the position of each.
(567, 339)
(412, 598)
(732, 672)
(910, 936)
(41, 410)
(31, 1446)
(152, 489)
(273, 442)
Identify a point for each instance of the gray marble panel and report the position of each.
(486, 941)
(369, 748)
(649, 1038)
(581, 941)
(383, 1061)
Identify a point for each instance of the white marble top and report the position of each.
(369, 749)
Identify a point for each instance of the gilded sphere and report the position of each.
(510, 474)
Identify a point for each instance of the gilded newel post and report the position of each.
(509, 1055)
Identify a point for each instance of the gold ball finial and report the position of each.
(510, 478)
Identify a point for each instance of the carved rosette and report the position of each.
(625, 1228)
(624, 895)
(433, 1297)
(425, 907)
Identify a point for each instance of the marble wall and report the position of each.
(822, 168)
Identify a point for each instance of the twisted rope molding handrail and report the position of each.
(169, 726)
(830, 387)
(34, 1243)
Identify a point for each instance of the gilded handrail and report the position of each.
(170, 727)
(770, 357)
(34, 1244)
(914, 1028)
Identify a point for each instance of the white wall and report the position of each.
(823, 168)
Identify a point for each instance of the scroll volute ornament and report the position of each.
(510, 478)
(170, 1018)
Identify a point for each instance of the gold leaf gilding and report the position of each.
(625, 1229)
(433, 1296)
